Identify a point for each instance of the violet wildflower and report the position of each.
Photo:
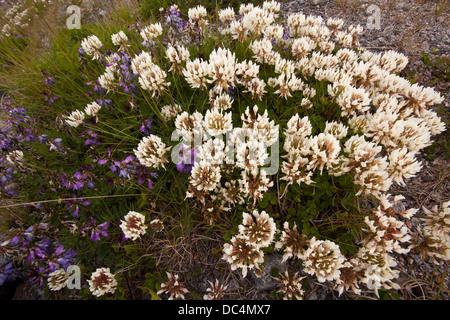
(187, 159)
(97, 230)
(8, 273)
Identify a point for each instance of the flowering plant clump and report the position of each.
(267, 129)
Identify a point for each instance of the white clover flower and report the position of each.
(323, 258)
(257, 20)
(256, 88)
(238, 31)
(196, 73)
(151, 32)
(288, 83)
(292, 242)
(227, 15)
(217, 122)
(324, 150)
(75, 119)
(437, 220)
(432, 121)
(212, 151)
(336, 129)
(92, 109)
(153, 79)
(190, 127)
(222, 69)
(231, 192)
(133, 226)
(177, 55)
(15, 157)
(402, 165)
(246, 71)
(258, 227)
(261, 126)
(273, 32)
(261, 49)
(222, 101)
(376, 269)
(151, 152)
(352, 100)
(297, 169)
(120, 39)
(92, 45)
(170, 112)
(205, 176)
(253, 185)
(198, 14)
(107, 79)
(102, 281)
(141, 62)
(57, 280)
(240, 253)
(334, 24)
(385, 232)
(302, 46)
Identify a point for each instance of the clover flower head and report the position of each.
(323, 258)
(153, 79)
(402, 165)
(217, 122)
(57, 279)
(437, 220)
(120, 39)
(92, 109)
(292, 242)
(336, 129)
(134, 225)
(170, 112)
(259, 228)
(227, 15)
(205, 176)
(151, 32)
(173, 287)
(141, 62)
(196, 73)
(215, 291)
(151, 152)
(102, 281)
(243, 254)
(376, 269)
(222, 69)
(177, 55)
(92, 45)
(254, 184)
(290, 286)
(75, 119)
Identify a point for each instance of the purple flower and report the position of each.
(186, 162)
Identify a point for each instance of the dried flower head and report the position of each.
(290, 286)
(173, 287)
(215, 291)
